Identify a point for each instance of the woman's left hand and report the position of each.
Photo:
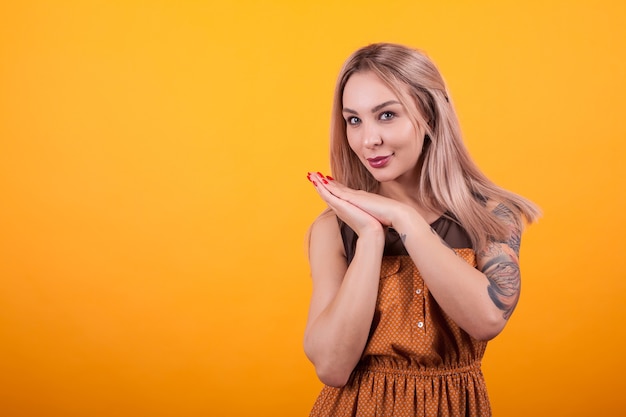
(383, 209)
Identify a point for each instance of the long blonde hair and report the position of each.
(449, 180)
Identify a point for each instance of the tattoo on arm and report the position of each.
(504, 283)
(506, 215)
(502, 266)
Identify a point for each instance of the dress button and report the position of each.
(418, 291)
(420, 324)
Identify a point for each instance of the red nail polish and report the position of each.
(320, 175)
(314, 183)
(330, 178)
(324, 181)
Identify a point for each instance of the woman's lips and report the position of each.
(379, 161)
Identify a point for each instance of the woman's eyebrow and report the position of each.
(383, 105)
(374, 109)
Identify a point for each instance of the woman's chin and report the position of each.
(382, 178)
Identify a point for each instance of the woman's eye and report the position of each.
(352, 120)
(388, 115)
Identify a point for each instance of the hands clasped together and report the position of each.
(361, 210)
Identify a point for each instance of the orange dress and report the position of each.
(417, 361)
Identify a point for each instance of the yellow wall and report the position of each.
(153, 198)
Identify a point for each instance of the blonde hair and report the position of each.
(449, 180)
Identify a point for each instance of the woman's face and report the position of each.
(379, 129)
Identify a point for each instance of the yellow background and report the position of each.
(154, 201)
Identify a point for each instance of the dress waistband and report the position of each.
(419, 371)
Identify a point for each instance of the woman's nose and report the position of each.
(372, 137)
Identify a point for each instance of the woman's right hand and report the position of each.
(356, 218)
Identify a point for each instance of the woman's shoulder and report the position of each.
(508, 207)
(504, 211)
(326, 228)
(325, 241)
(326, 219)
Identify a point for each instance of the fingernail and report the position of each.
(330, 178)
(320, 175)
(314, 183)
(324, 181)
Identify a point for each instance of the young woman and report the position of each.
(415, 263)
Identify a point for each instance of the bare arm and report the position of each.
(479, 300)
(344, 297)
(500, 263)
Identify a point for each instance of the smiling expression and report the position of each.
(380, 130)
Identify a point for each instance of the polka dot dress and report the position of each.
(417, 361)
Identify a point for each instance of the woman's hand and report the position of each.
(384, 210)
(335, 195)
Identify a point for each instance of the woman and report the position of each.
(415, 263)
